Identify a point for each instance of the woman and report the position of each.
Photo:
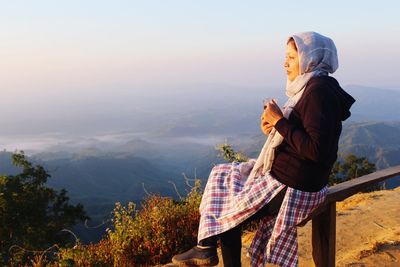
(289, 179)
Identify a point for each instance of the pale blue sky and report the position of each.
(66, 47)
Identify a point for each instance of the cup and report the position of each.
(266, 101)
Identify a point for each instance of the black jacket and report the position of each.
(311, 135)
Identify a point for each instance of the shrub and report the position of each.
(161, 228)
(99, 254)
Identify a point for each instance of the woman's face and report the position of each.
(292, 61)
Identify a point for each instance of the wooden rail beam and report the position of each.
(346, 189)
(324, 237)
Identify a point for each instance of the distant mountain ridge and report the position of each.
(120, 166)
(121, 173)
(374, 104)
(378, 141)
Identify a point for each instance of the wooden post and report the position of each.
(324, 237)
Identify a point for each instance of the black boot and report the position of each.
(197, 257)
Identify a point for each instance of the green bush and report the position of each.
(99, 254)
(152, 235)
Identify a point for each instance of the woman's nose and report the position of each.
(285, 64)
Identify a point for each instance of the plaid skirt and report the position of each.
(230, 198)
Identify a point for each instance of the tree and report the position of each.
(350, 168)
(32, 215)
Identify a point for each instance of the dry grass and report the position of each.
(357, 200)
(379, 247)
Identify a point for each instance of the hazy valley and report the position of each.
(153, 150)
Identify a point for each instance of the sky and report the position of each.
(59, 53)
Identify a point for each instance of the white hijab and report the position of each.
(317, 56)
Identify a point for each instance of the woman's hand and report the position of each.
(266, 128)
(272, 114)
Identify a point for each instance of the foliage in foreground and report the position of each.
(32, 215)
(152, 235)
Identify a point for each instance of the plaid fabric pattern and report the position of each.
(229, 199)
(276, 238)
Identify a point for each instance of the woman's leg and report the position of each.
(231, 246)
(231, 240)
(205, 253)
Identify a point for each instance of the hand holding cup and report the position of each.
(271, 115)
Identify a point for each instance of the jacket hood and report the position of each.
(344, 99)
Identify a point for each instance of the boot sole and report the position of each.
(212, 261)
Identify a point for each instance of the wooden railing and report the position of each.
(324, 217)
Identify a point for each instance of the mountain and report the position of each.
(97, 178)
(108, 172)
(98, 182)
(120, 172)
(156, 141)
(378, 141)
(374, 104)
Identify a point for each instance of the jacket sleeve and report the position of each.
(319, 116)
